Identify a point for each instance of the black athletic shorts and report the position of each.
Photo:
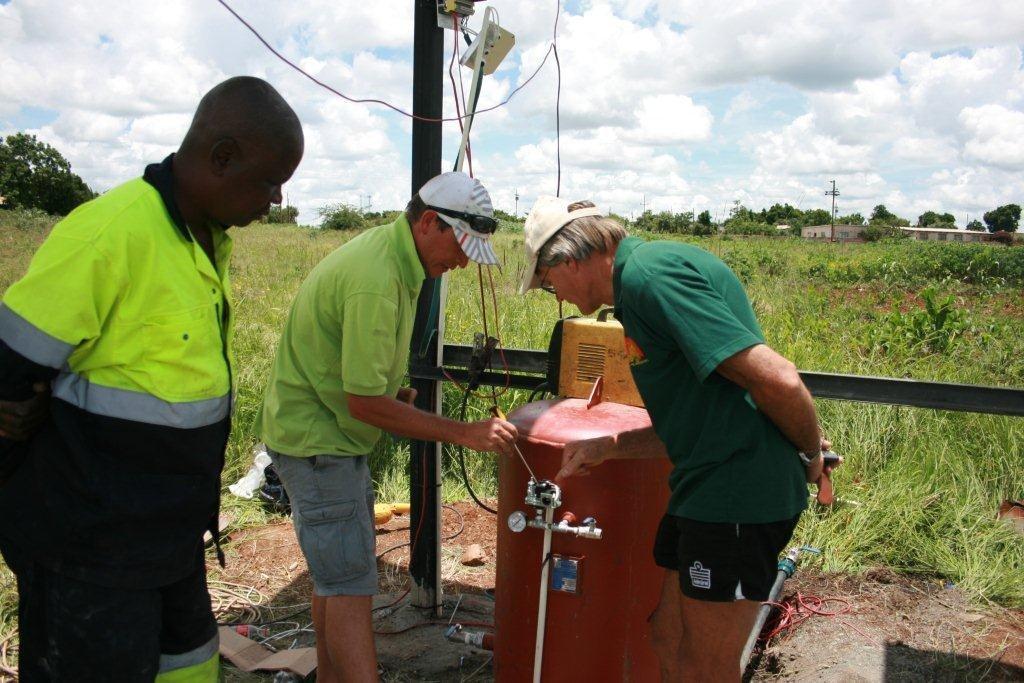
(76, 631)
(722, 562)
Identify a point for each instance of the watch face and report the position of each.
(517, 521)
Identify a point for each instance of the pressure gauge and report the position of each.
(517, 521)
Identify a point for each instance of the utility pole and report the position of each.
(425, 470)
(645, 203)
(517, 203)
(833, 193)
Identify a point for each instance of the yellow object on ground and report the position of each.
(383, 512)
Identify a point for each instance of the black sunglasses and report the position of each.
(484, 224)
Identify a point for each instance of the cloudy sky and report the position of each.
(917, 104)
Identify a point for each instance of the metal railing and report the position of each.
(527, 367)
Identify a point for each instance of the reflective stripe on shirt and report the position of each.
(138, 406)
(30, 341)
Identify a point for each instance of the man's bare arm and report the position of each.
(579, 456)
(402, 419)
(779, 393)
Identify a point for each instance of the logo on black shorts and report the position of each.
(700, 577)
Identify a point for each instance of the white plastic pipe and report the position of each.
(438, 598)
(478, 73)
(542, 607)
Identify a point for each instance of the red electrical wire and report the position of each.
(798, 608)
(429, 119)
(465, 108)
(473, 624)
(558, 100)
(501, 347)
(416, 535)
(455, 93)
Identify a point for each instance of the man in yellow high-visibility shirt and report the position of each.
(124, 317)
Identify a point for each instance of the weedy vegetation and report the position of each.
(920, 488)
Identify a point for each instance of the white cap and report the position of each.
(457, 191)
(547, 217)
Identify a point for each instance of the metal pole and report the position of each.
(835, 193)
(425, 481)
(762, 617)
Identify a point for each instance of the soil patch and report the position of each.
(888, 627)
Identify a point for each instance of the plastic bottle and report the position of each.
(247, 486)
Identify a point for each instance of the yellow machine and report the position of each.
(591, 349)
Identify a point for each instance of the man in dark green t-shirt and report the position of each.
(731, 414)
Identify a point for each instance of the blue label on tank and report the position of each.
(565, 574)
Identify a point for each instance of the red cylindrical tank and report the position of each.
(599, 632)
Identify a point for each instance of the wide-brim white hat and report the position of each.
(547, 217)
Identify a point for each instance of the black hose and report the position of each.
(540, 390)
(461, 457)
(462, 527)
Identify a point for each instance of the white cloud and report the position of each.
(800, 149)
(996, 135)
(923, 151)
(160, 129)
(913, 103)
(938, 88)
(869, 113)
(743, 102)
(670, 120)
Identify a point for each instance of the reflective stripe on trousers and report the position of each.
(201, 665)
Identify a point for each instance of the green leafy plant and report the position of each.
(341, 217)
(932, 329)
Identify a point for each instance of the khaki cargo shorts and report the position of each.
(332, 510)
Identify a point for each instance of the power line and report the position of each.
(371, 100)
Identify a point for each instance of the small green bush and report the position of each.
(26, 219)
(282, 214)
(341, 217)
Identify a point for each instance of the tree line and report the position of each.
(744, 221)
(34, 175)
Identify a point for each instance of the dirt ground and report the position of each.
(886, 627)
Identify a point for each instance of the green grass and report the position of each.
(921, 488)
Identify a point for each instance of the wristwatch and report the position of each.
(808, 459)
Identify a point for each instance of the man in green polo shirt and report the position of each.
(336, 384)
(733, 416)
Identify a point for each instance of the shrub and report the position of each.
(26, 219)
(874, 233)
(341, 217)
(282, 214)
(744, 227)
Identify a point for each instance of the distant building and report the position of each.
(844, 233)
(854, 233)
(946, 234)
